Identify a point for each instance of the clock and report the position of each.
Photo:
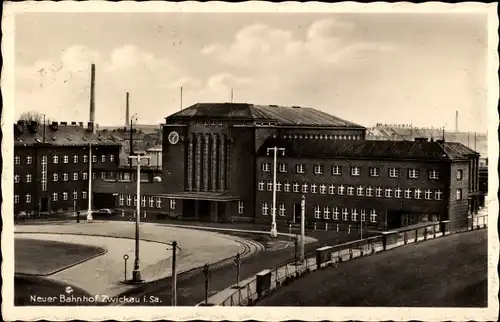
(173, 137)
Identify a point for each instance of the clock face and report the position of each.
(173, 137)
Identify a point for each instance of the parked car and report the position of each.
(103, 212)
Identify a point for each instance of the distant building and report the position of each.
(51, 165)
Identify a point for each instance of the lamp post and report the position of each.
(136, 274)
(302, 227)
(274, 231)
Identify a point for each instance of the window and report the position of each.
(103, 158)
(84, 176)
(112, 159)
(85, 159)
(369, 191)
(135, 201)
(318, 169)
(55, 177)
(65, 159)
(326, 213)
(433, 174)
(363, 215)
(388, 193)
(265, 209)
(317, 212)
(335, 213)
(266, 167)
(94, 158)
(16, 198)
(418, 194)
(407, 193)
(313, 188)
(322, 189)
(340, 190)
(28, 198)
(17, 160)
(103, 175)
(360, 191)
(129, 200)
(378, 192)
(354, 215)
(300, 168)
(269, 186)
(158, 202)
(355, 171)
(65, 196)
(240, 207)
(261, 185)
(172, 203)
(29, 159)
(345, 214)
(413, 173)
(54, 196)
(459, 194)
(84, 194)
(75, 175)
(65, 177)
(17, 178)
(350, 191)
(373, 215)
(397, 193)
(151, 202)
(28, 177)
(393, 172)
(75, 158)
(143, 201)
(282, 210)
(374, 172)
(75, 195)
(55, 159)
(428, 194)
(278, 186)
(295, 187)
(304, 188)
(287, 187)
(93, 175)
(337, 170)
(331, 189)
(460, 174)
(283, 168)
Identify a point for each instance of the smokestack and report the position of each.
(92, 99)
(127, 112)
(181, 98)
(456, 121)
(232, 94)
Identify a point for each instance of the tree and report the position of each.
(31, 116)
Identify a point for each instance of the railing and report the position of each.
(270, 280)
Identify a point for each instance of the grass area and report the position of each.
(447, 272)
(35, 291)
(41, 257)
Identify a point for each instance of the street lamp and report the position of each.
(274, 231)
(136, 275)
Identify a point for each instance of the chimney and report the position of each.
(421, 139)
(54, 126)
(456, 121)
(33, 126)
(80, 124)
(127, 112)
(64, 123)
(92, 99)
(21, 126)
(73, 123)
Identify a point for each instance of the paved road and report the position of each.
(447, 272)
(190, 285)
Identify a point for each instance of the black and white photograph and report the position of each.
(265, 161)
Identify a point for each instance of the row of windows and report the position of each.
(321, 137)
(55, 177)
(65, 159)
(151, 201)
(329, 213)
(318, 169)
(352, 191)
(55, 196)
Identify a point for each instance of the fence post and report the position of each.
(434, 230)
(405, 237)
(205, 271)
(337, 227)
(314, 226)
(351, 255)
(326, 226)
(416, 235)
(349, 229)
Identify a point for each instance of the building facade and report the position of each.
(51, 166)
(382, 184)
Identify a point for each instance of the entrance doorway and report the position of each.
(44, 204)
(296, 213)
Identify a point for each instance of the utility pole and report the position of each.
(274, 231)
(89, 212)
(302, 227)
(136, 274)
(174, 274)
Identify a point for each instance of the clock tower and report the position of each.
(174, 157)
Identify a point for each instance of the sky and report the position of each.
(368, 68)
